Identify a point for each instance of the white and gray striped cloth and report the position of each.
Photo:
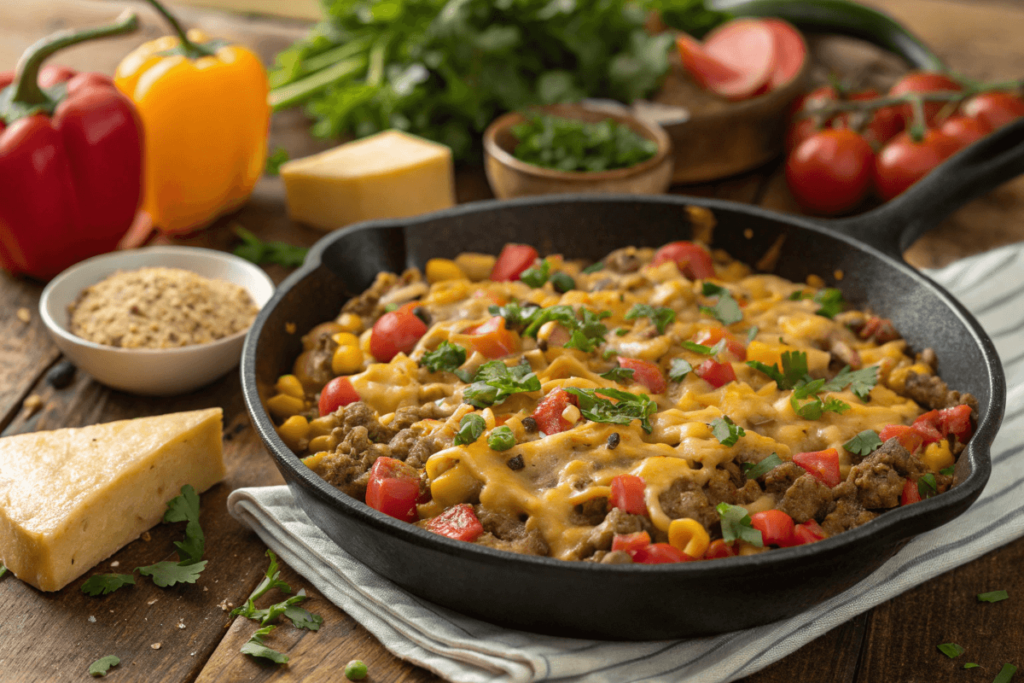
(462, 649)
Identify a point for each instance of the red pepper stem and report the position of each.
(26, 88)
(191, 49)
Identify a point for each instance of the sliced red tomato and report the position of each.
(718, 549)
(748, 47)
(394, 489)
(512, 261)
(924, 82)
(548, 414)
(829, 173)
(910, 493)
(706, 70)
(716, 374)
(822, 465)
(994, 109)
(493, 340)
(776, 526)
(458, 522)
(646, 373)
(396, 332)
(712, 335)
(808, 532)
(790, 52)
(630, 543)
(660, 553)
(693, 260)
(338, 392)
(904, 161)
(964, 130)
(908, 437)
(628, 494)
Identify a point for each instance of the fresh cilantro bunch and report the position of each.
(794, 376)
(573, 145)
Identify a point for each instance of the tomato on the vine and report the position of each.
(830, 172)
(904, 161)
(885, 122)
(964, 129)
(924, 82)
(803, 127)
(995, 109)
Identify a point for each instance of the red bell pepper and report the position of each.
(712, 335)
(808, 532)
(908, 437)
(693, 260)
(70, 160)
(910, 494)
(512, 261)
(548, 414)
(660, 553)
(716, 374)
(458, 522)
(822, 465)
(630, 543)
(628, 494)
(394, 489)
(936, 425)
(719, 549)
(776, 526)
(645, 372)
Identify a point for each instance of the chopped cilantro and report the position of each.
(626, 408)
(621, 332)
(752, 471)
(270, 581)
(704, 350)
(515, 316)
(495, 381)
(299, 617)
(864, 443)
(537, 276)
(588, 323)
(257, 251)
(608, 354)
(736, 525)
(951, 650)
(798, 295)
(619, 374)
(752, 333)
(105, 584)
(970, 665)
(993, 596)
(446, 356)
(562, 282)
(927, 486)
(3, 570)
(593, 268)
(274, 161)
(256, 648)
(726, 431)
(860, 382)
(793, 373)
(831, 302)
(166, 574)
(470, 428)
(816, 408)
(1005, 674)
(948, 471)
(711, 289)
(661, 316)
(501, 438)
(679, 369)
(302, 618)
(388, 308)
(726, 310)
(101, 666)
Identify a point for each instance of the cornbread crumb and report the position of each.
(159, 308)
(24, 315)
(33, 403)
(156, 646)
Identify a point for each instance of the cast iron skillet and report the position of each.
(648, 602)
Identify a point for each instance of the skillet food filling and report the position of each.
(657, 406)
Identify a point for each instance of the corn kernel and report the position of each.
(350, 322)
(346, 360)
(937, 456)
(815, 281)
(455, 486)
(290, 386)
(476, 266)
(313, 460)
(571, 414)
(345, 339)
(441, 269)
(284, 406)
(294, 432)
(322, 426)
(323, 443)
(448, 292)
(690, 536)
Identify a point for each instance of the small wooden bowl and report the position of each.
(509, 177)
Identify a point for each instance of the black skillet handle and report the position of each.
(972, 172)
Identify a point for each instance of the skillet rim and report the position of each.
(894, 526)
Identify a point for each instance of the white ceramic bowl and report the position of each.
(151, 372)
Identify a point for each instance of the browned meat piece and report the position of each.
(366, 303)
(846, 512)
(347, 467)
(722, 487)
(880, 477)
(684, 499)
(931, 392)
(505, 532)
(315, 364)
(616, 522)
(779, 479)
(590, 513)
(880, 329)
(615, 557)
(623, 260)
(892, 453)
(806, 499)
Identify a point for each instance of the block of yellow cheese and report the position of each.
(70, 498)
(387, 175)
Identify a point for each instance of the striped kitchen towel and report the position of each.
(470, 651)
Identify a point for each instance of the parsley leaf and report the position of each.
(619, 374)
(831, 302)
(501, 438)
(274, 161)
(515, 315)
(726, 310)
(536, 276)
(593, 268)
(470, 428)
(679, 369)
(562, 282)
(736, 525)
(1005, 674)
(494, 382)
(105, 584)
(752, 333)
(860, 382)
(726, 431)
(626, 408)
(183, 508)
(794, 369)
(970, 665)
(816, 408)
(257, 251)
(951, 650)
(704, 350)
(302, 618)
(270, 581)
(101, 666)
(166, 574)
(752, 471)
(711, 289)
(661, 316)
(864, 443)
(3, 570)
(589, 323)
(948, 471)
(270, 614)
(446, 356)
(927, 486)
(994, 596)
(256, 648)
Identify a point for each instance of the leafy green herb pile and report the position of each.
(566, 144)
(444, 69)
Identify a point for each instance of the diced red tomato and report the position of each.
(776, 526)
(957, 421)
(548, 414)
(808, 532)
(719, 548)
(910, 493)
(712, 335)
(396, 332)
(394, 489)
(716, 374)
(909, 438)
(458, 522)
(630, 543)
(881, 329)
(790, 51)
(928, 427)
(512, 261)
(822, 465)
(628, 494)
(338, 392)
(493, 340)
(646, 373)
(660, 553)
(693, 260)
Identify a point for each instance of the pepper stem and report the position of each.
(26, 88)
(192, 50)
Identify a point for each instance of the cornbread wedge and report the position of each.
(72, 497)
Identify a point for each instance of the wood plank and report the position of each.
(25, 350)
(840, 648)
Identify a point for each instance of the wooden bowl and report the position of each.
(509, 177)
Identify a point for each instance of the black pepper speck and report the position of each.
(61, 375)
(515, 464)
(613, 441)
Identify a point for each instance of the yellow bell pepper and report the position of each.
(204, 111)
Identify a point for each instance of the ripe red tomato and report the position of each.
(808, 532)
(338, 392)
(693, 260)
(458, 522)
(924, 82)
(396, 332)
(716, 374)
(645, 372)
(776, 526)
(712, 335)
(822, 465)
(628, 494)
(803, 127)
(830, 172)
(885, 123)
(903, 162)
(719, 549)
(660, 553)
(630, 543)
(995, 109)
(393, 488)
(512, 261)
(548, 413)
(909, 437)
(964, 129)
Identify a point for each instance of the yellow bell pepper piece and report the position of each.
(205, 117)
(690, 536)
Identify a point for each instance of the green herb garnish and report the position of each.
(573, 145)
(536, 276)
(860, 382)
(626, 407)
(864, 443)
(752, 334)
(1005, 674)
(446, 356)
(593, 268)
(562, 282)
(259, 252)
(927, 486)
(794, 369)
(101, 666)
(495, 381)
(515, 316)
(501, 438)
(470, 428)
(274, 161)
(948, 471)
(679, 369)
(726, 310)
(752, 471)
(726, 431)
(166, 574)
(736, 525)
(831, 302)
(704, 350)
(951, 650)
(619, 374)
(993, 596)
(256, 648)
(105, 584)
(661, 316)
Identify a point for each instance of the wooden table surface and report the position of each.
(186, 634)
